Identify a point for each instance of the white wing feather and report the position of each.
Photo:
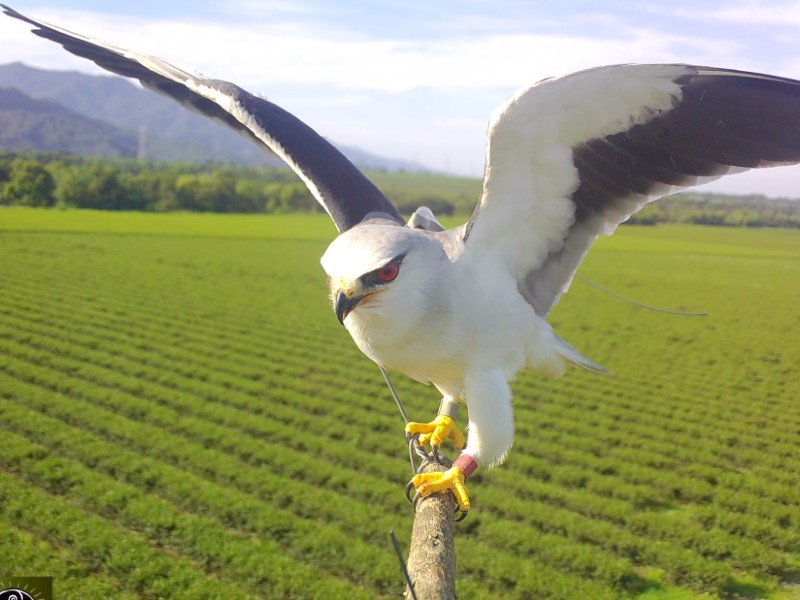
(570, 158)
(525, 210)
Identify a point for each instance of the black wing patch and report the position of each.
(726, 121)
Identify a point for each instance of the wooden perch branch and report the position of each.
(432, 557)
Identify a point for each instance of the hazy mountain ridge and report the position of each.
(171, 132)
(44, 125)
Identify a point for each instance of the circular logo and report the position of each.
(15, 594)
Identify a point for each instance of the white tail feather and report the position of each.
(572, 355)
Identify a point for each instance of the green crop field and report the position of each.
(181, 416)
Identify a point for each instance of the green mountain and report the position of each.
(170, 131)
(44, 125)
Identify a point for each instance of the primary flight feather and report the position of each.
(568, 159)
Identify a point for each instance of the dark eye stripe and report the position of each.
(373, 278)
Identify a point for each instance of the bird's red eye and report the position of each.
(388, 272)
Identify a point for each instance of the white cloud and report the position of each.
(345, 76)
(259, 55)
(752, 12)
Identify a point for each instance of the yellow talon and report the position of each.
(452, 479)
(436, 431)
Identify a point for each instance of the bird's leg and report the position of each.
(491, 433)
(452, 479)
(441, 428)
(435, 432)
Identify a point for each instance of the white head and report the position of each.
(383, 275)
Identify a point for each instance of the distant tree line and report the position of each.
(69, 181)
(717, 209)
(127, 184)
(113, 183)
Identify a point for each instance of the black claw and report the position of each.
(435, 454)
(462, 514)
(408, 488)
(413, 443)
(415, 500)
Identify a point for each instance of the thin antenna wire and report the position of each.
(639, 304)
(403, 564)
(394, 393)
(413, 446)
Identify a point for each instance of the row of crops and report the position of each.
(182, 417)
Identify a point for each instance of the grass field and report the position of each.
(181, 416)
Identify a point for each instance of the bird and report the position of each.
(568, 159)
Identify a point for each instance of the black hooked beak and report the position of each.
(344, 305)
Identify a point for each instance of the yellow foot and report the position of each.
(452, 479)
(435, 432)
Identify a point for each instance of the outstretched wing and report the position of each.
(342, 190)
(571, 158)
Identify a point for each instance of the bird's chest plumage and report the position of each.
(420, 350)
(469, 326)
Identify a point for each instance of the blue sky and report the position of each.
(418, 79)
